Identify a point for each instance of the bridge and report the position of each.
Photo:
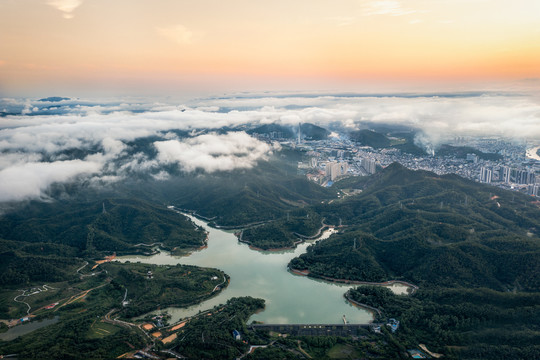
(313, 329)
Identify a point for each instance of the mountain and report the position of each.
(400, 140)
(54, 99)
(432, 230)
(370, 138)
(307, 131)
(462, 151)
(97, 227)
(235, 198)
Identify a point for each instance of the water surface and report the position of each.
(289, 298)
(27, 328)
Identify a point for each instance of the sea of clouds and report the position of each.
(38, 138)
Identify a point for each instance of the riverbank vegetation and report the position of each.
(90, 229)
(210, 336)
(433, 231)
(150, 286)
(84, 304)
(462, 323)
(296, 226)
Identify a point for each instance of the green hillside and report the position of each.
(39, 242)
(307, 131)
(236, 198)
(462, 151)
(432, 230)
(370, 138)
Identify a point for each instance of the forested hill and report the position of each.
(370, 138)
(235, 198)
(39, 240)
(307, 131)
(432, 230)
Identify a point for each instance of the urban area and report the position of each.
(517, 168)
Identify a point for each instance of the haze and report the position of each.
(82, 47)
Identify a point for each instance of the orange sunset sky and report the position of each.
(70, 47)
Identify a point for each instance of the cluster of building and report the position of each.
(327, 165)
(329, 160)
(504, 175)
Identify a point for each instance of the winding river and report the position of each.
(289, 298)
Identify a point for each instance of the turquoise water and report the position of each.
(289, 298)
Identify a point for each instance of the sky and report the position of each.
(140, 70)
(186, 47)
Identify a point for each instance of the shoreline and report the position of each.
(302, 240)
(354, 282)
(361, 305)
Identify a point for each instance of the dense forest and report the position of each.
(84, 333)
(473, 250)
(45, 241)
(180, 285)
(298, 224)
(431, 230)
(462, 323)
(461, 152)
(211, 337)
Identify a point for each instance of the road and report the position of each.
(35, 291)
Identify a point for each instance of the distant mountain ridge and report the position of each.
(54, 99)
(307, 131)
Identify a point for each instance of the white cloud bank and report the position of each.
(213, 152)
(29, 180)
(94, 141)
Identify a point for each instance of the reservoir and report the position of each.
(27, 328)
(289, 298)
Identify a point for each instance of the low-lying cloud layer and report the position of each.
(47, 141)
(212, 152)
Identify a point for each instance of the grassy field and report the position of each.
(40, 296)
(100, 329)
(343, 351)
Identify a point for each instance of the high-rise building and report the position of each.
(504, 174)
(524, 177)
(485, 175)
(369, 165)
(336, 169)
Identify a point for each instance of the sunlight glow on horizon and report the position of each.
(70, 44)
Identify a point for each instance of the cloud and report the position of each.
(65, 6)
(105, 141)
(386, 7)
(213, 152)
(29, 180)
(179, 34)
